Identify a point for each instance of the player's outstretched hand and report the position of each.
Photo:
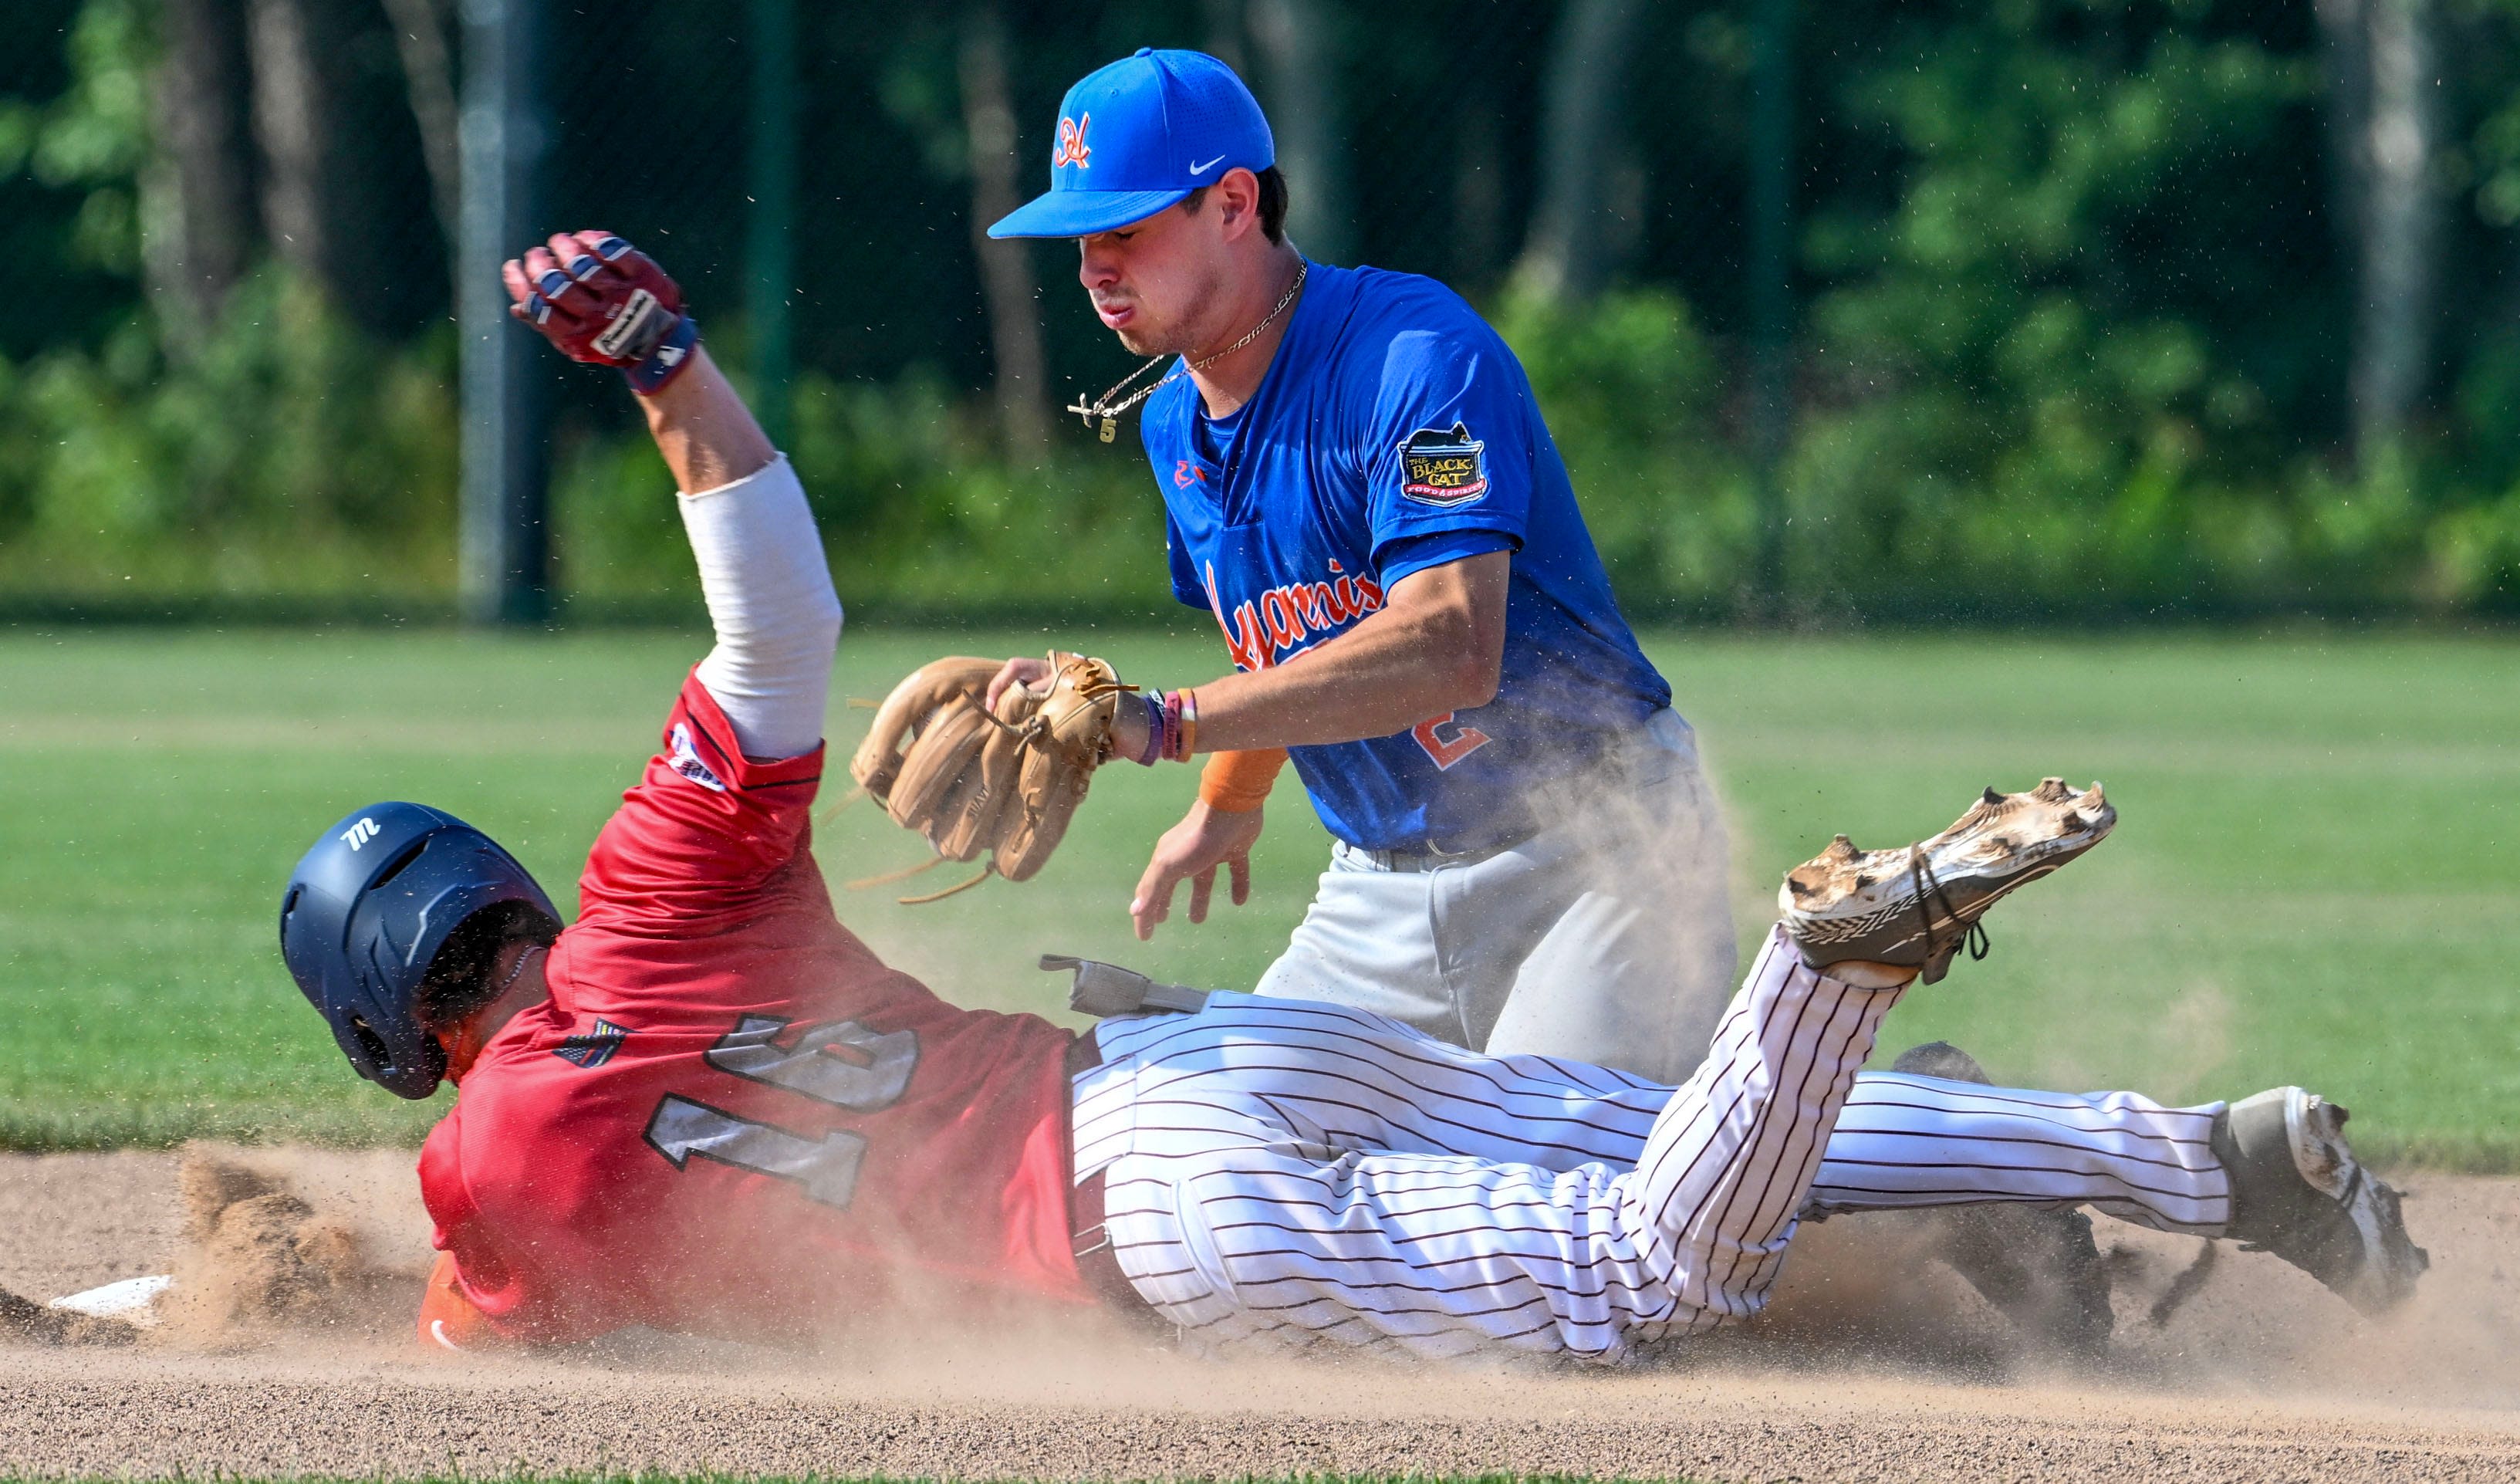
(604, 303)
(1128, 733)
(1192, 850)
(1023, 670)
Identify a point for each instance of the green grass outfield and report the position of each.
(2317, 877)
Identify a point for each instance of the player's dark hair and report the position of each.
(1273, 204)
(459, 979)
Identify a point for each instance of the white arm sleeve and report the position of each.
(771, 601)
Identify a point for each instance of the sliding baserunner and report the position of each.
(706, 1105)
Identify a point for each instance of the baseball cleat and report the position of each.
(2035, 1261)
(2298, 1191)
(1941, 1058)
(1914, 908)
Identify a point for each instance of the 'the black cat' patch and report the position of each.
(1441, 465)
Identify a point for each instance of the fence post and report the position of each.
(506, 534)
(770, 247)
(1772, 307)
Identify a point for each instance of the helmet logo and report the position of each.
(1071, 149)
(360, 833)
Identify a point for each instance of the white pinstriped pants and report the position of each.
(1281, 1173)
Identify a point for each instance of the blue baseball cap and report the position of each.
(1140, 135)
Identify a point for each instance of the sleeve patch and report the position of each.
(685, 760)
(1443, 467)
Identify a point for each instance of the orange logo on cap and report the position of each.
(1071, 149)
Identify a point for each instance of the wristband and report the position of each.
(673, 352)
(1237, 782)
(1155, 748)
(1172, 726)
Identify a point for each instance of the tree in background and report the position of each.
(421, 31)
(297, 122)
(2071, 352)
(1020, 366)
(200, 227)
(1567, 252)
(2384, 111)
(1302, 51)
(225, 428)
(266, 138)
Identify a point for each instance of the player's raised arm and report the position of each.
(769, 591)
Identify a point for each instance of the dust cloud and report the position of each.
(1876, 1361)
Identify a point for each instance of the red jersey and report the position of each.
(729, 1117)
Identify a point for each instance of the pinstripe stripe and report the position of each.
(1695, 1099)
(1735, 1160)
(1949, 1112)
(1503, 1078)
(1956, 1096)
(2207, 1212)
(1845, 1141)
(1949, 1168)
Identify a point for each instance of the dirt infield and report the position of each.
(1872, 1367)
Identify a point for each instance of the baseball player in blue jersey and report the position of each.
(1356, 475)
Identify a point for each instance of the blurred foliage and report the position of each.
(1632, 391)
(2075, 320)
(921, 512)
(287, 453)
(73, 137)
(2096, 345)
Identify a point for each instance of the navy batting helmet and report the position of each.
(369, 907)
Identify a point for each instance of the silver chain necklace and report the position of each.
(1104, 407)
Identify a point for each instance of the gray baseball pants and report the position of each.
(1606, 938)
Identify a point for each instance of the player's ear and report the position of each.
(1238, 203)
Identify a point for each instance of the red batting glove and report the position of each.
(607, 303)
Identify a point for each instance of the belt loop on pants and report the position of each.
(1089, 1236)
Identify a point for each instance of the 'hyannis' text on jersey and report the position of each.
(1393, 432)
(1290, 617)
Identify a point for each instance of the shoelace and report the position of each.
(1931, 898)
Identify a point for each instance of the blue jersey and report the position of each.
(1394, 432)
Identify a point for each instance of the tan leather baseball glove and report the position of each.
(972, 782)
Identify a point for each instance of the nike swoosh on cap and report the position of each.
(1203, 169)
